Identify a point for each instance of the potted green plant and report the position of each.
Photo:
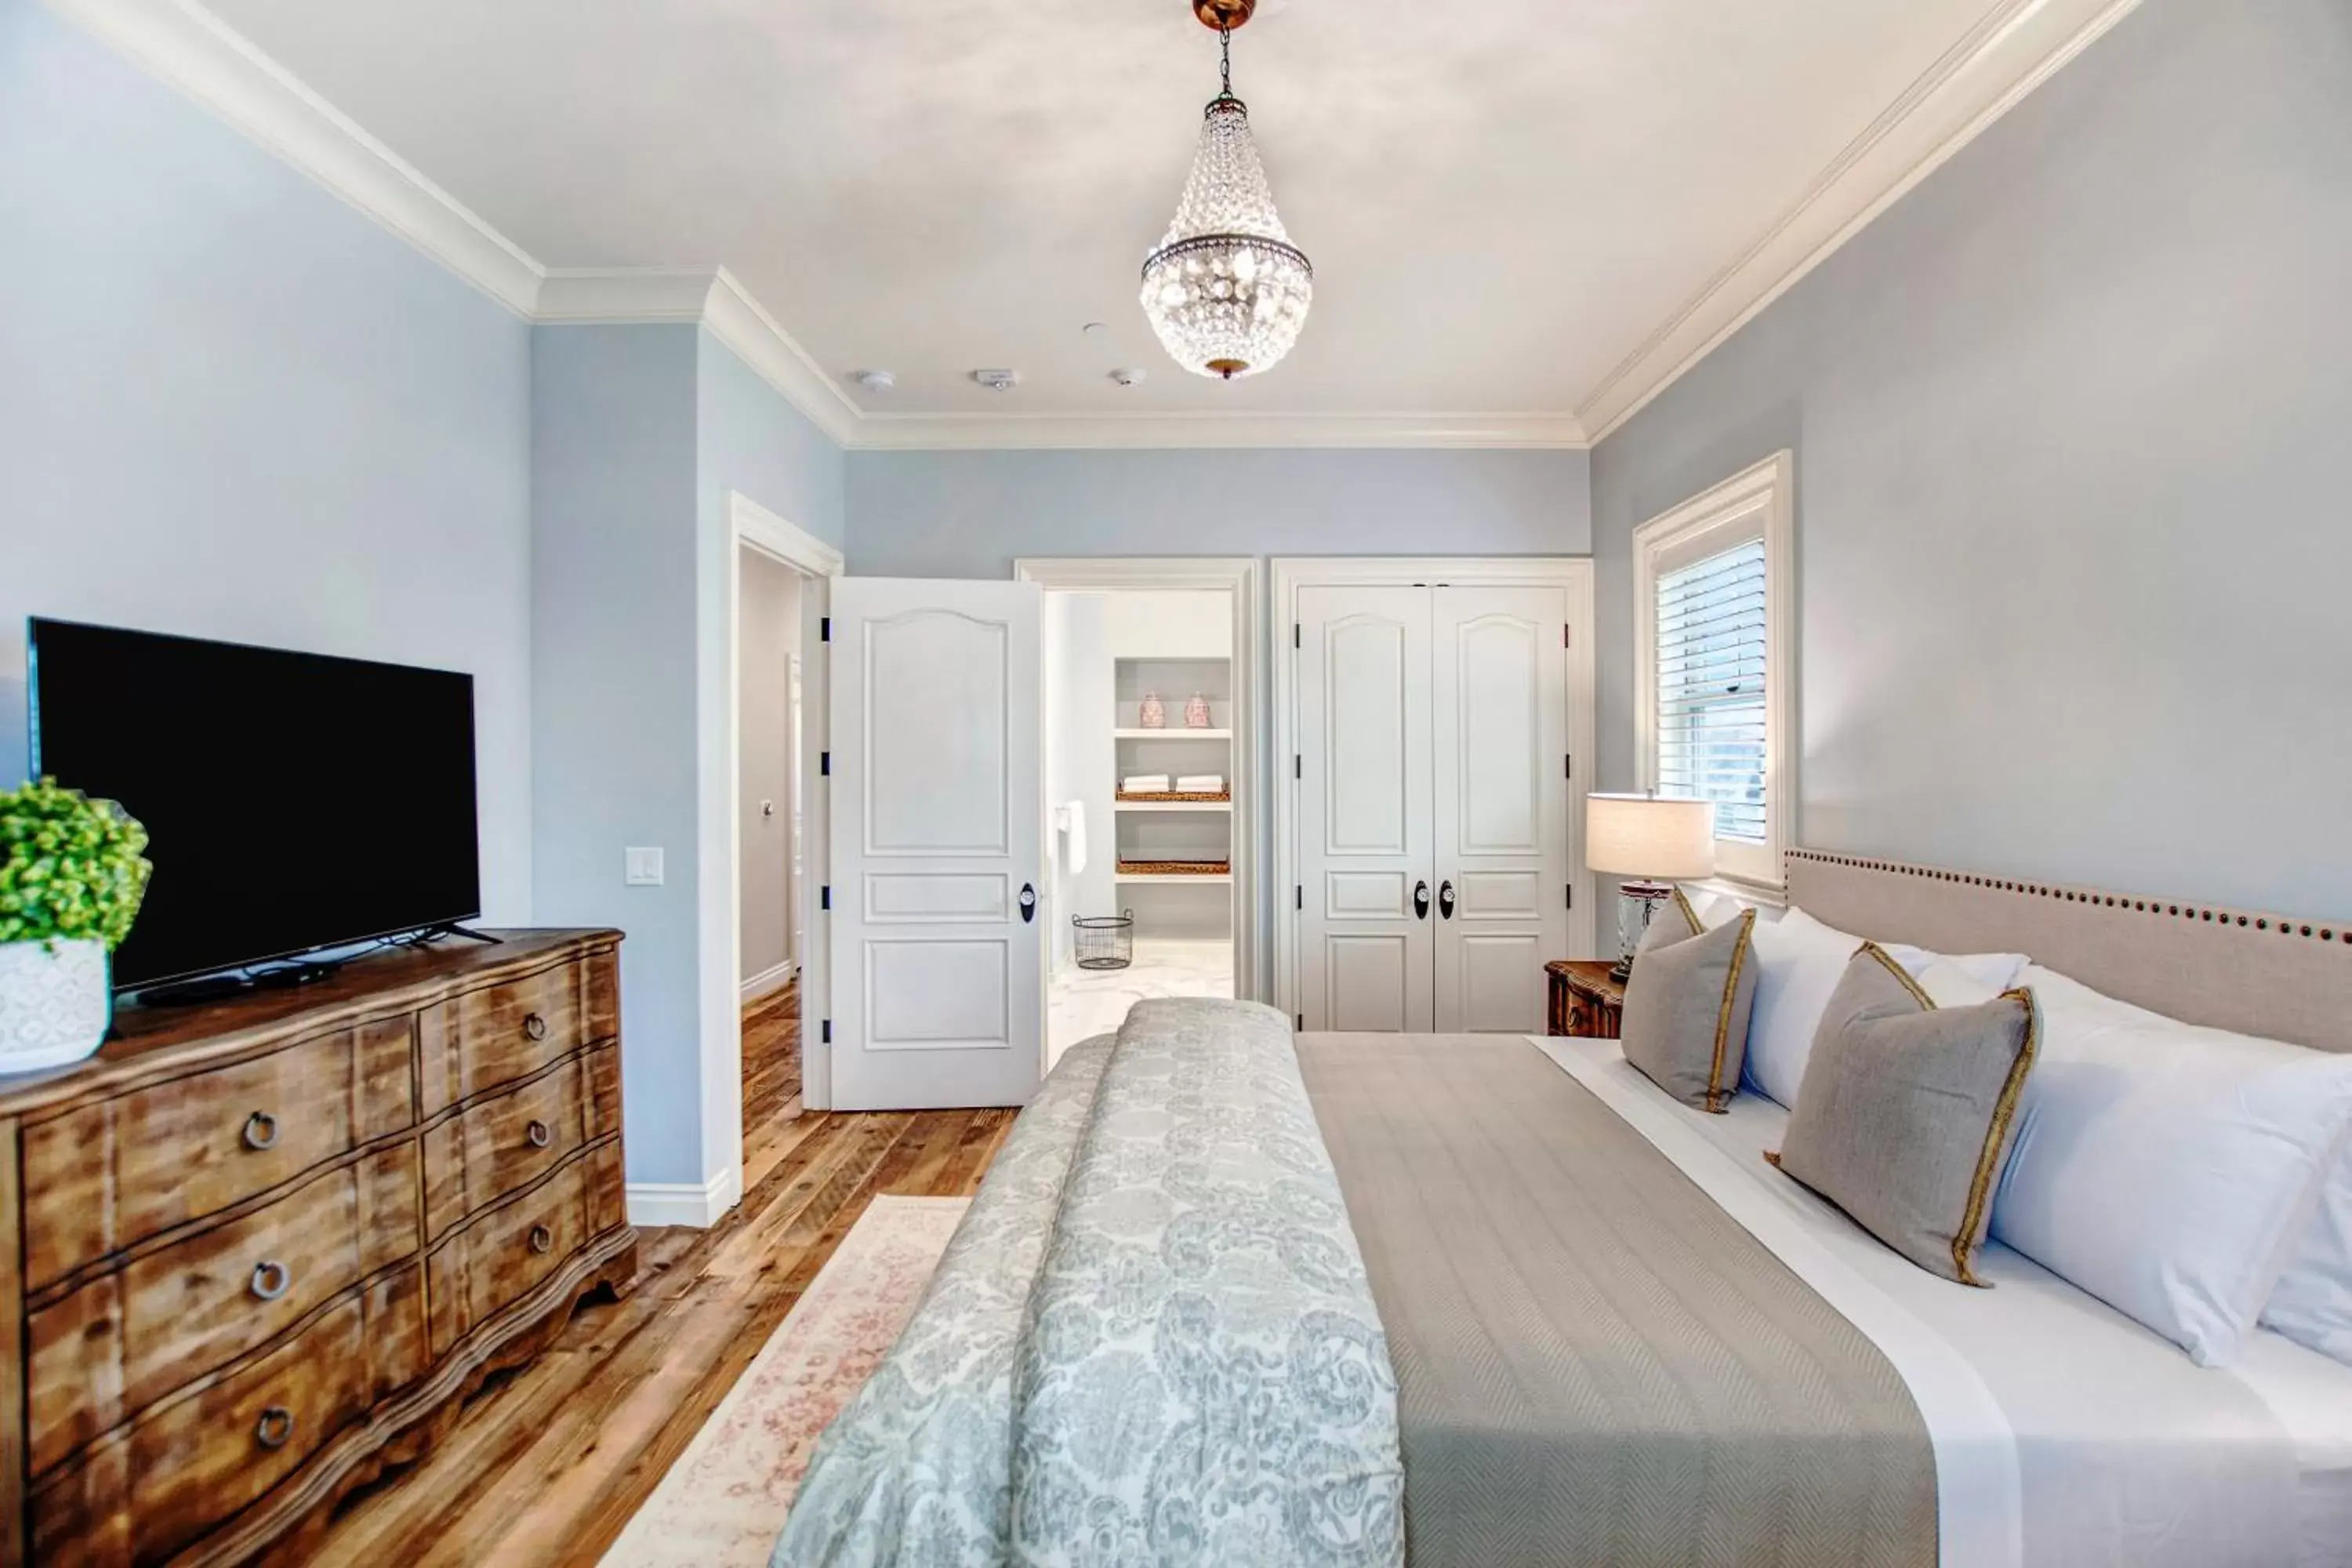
(71, 876)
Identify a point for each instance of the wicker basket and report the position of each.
(1175, 868)
(1171, 796)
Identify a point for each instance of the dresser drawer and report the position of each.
(486, 1037)
(102, 1178)
(499, 1256)
(148, 1491)
(165, 1319)
(502, 1143)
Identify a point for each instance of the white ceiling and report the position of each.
(1504, 201)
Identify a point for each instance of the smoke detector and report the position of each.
(876, 380)
(997, 380)
(1127, 375)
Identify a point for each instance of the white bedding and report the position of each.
(2068, 1436)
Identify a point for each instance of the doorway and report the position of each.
(1147, 851)
(770, 831)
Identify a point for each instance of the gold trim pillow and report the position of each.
(1908, 1110)
(1684, 1022)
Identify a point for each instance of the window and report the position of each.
(1715, 666)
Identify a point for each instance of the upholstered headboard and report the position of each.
(2275, 975)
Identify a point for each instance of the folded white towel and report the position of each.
(1200, 784)
(1072, 820)
(1144, 783)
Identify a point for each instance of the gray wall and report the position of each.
(768, 618)
(971, 514)
(232, 406)
(2070, 425)
(613, 644)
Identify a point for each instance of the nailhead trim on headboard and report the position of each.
(2283, 925)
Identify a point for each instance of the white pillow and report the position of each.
(2167, 1169)
(1799, 961)
(2312, 1303)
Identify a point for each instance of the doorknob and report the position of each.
(1445, 898)
(1421, 901)
(1028, 903)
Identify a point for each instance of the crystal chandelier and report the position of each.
(1226, 290)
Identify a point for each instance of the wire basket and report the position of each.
(1104, 942)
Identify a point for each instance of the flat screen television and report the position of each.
(292, 802)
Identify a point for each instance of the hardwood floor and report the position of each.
(546, 1465)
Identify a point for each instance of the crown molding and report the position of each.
(1038, 432)
(189, 48)
(2012, 49)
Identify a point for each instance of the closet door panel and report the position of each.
(1498, 731)
(1364, 796)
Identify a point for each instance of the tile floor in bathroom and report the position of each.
(1082, 1003)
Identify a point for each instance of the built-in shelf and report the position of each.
(1223, 805)
(1171, 734)
(1210, 878)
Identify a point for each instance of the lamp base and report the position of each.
(1636, 903)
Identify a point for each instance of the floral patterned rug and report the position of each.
(723, 1502)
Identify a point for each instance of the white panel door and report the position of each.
(938, 818)
(1498, 731)
(1366, 891)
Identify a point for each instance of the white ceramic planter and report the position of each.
(55, 1003)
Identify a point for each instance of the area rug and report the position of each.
(723, 1502)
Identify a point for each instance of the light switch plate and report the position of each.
(642, 868)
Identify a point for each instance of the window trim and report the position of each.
(1755, 503)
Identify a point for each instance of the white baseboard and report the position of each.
(698, 1203)
(769, 981)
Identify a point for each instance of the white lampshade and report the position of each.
(1642, 836)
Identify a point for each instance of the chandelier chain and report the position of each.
(1226, 42)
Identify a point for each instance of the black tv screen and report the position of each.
(291, 801)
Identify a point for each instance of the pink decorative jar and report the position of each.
(1196, 712)
(1153, 715)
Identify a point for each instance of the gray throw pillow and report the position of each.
(1908, 1110)
(1685, 1016)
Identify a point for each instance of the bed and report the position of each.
(1234, 1296)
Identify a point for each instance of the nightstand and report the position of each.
(1584, 1000)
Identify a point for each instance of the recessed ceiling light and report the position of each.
(876, 380)
(997, 380)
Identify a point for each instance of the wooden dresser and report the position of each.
(261, 1250)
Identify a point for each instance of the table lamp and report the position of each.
(1655, 842)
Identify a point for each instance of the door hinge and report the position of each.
(1571, 894)
(825, 1032)
(1298, 766)
(824, 629)
(1296, 638)
(1568, 766)
(825, 764)
(824, 897)
(1302, 1020)
(1568, 636)
(1300, 902)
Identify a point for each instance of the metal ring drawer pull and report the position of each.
(275, 1427)
(534, 1027)
(260, 1130)
(542, 1239)
(540, 1134)
(271, 1279)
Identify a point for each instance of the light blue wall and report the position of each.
(232, 406)
(971, 514)
(613, 732)
(2071, 423)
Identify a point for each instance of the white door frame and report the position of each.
(1238, 575)
(753, 525)
(1291, 573)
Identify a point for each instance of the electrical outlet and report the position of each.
(642, 868)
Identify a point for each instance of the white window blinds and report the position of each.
(1711, 701)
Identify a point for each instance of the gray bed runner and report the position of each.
(1596, 1366)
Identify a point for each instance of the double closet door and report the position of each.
(1432, 789)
